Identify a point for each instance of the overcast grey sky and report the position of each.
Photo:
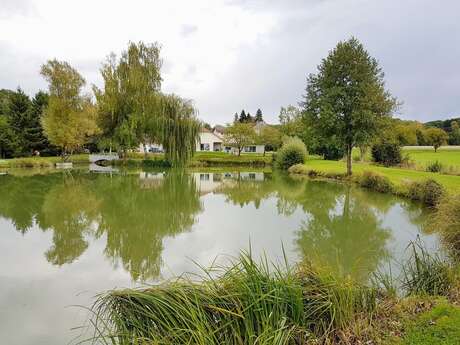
(227, 55)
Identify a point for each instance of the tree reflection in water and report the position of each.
(134, 214)
(338, 226)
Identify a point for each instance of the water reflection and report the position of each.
(339, 226)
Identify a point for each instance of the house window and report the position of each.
(204, 147)
(249, 149)
(204, 177)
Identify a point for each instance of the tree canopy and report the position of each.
(69, 118)
(347, 98)
(133, 110)
(239, 135)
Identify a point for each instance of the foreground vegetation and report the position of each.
(259, 303)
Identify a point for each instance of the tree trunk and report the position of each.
(239, 151)
(349, 148)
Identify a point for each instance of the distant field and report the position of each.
(449, 156)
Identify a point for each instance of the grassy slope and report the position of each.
(439, 326)
(396, 175)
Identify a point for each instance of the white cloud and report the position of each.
(229, 55)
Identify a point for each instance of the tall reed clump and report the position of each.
(426, 273)
(374, 181)
(292, 152)
(247, 303)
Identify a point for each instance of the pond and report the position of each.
(67, 236)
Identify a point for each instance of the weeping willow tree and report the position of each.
(174, 124)
(133, 110)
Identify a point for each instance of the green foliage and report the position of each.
(347, 97)
(259, 117)
(21, 132)
(434, 167)
(248, 303)
(290, 118)
(269, 136)
(426, 274)
(427, 191)
(439, 326)
(133, 110)
(387, 153)
(129, 97)
(454, 135)
(436, 137)
(239, 135)
(375, 181)
(69, 118)
(301, 169)
(447, 222)
(291, 153)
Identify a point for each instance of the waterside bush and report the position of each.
(447, 222)
(427, 191)
(291, 153)
(375, 181)
(387, 153)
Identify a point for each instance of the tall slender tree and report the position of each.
(69, 118)
(133, 110)
(347, 97)
(259, 117)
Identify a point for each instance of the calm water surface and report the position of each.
(66, 236)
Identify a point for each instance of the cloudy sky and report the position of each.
(227, 55)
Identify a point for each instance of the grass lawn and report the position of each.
(396, 175)
(439, 326)
(40, 162)
(449, 157)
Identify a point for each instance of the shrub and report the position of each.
(330, 151)
(299, 169)
(434, 167)
(292, 152)
(447, 222)
(427, 191)
(387, 153)
(374, 181)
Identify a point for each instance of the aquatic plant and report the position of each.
(426, 273)
(246, 302)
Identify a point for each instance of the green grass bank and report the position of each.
(398, 176)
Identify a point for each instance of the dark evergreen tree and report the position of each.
(243, 116)
(35, 138)
(19, 114)
(249, 118)
(259, 117)
(235, 118)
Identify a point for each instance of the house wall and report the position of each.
(208, 138)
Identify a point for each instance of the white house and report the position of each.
(209, 141)
(214, 141)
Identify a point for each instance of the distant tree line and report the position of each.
(247, 117)
(128, 110)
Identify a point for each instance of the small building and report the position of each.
(209, 141)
